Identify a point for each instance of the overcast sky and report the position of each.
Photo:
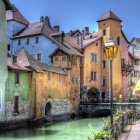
(74, 14)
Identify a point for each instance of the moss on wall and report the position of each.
(22, 88)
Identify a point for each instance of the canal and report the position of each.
(71, 130)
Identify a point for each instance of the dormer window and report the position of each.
(27, 40)
(104, 32)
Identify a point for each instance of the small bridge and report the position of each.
(100, 109)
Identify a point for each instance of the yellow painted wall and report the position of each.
(42, 88)
(89, 66)
(136, 89)
(113, 29)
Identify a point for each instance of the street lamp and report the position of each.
(111, 49)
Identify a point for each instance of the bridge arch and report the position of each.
(93, 95)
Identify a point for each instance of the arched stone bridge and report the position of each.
(101, 108)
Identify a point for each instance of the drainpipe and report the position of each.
(69, 90)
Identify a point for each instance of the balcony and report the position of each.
(127, 69)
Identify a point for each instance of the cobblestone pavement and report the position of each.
(135, 132)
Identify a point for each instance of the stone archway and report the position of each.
(93, 95)
(48, 108)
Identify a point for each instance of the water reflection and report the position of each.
(72, 130)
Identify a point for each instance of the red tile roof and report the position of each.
(89, 39)
(27, 60)
(14, 14)
(40, 28)
(109, 15)
(71, 41)
(16, 66)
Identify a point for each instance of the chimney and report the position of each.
(56, 28)
(81, 39)
(41, 19)
(63, 35)
(47, 21)
(14, 59)
(83, 34)
(86, 31)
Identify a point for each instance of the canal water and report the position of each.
(71, 130)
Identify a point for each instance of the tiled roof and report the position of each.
(16, 66)
(109, 15)
(71, 41)
(40, 28)
(15, 15)
(32, 29)
(27, 60)
(89, 39)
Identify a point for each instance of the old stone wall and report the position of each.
(23, 111)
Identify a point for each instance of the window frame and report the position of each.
(17, 78)
(27, 40)
(104, 32)
(103, 85)
(39, 57)
(16, 104)
(94, 58)
(19, 42)
(37, 39)
(104, 64)
(93, 76)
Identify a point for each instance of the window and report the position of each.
(39, 56)
(97, 44)
(64, 58)
(93, 75)
(104, 64)
(94, 58)
(49, 75)
(136, 62)
(14, 59)
(104, 32)
(19, 42)
(27, 40)
(16, 104)
(136, 73)
(56, 59)
(103, 82)
(0, 100)
(8, 47)
(36, 39)
(17, 78)
(74, 60)
(118, 40)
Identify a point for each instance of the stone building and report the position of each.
(18, 89)
(94, 65)
(134, 49)
(34, 89)
(4, 5)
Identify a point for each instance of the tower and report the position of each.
(109, 26)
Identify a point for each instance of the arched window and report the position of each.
(118, 40)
